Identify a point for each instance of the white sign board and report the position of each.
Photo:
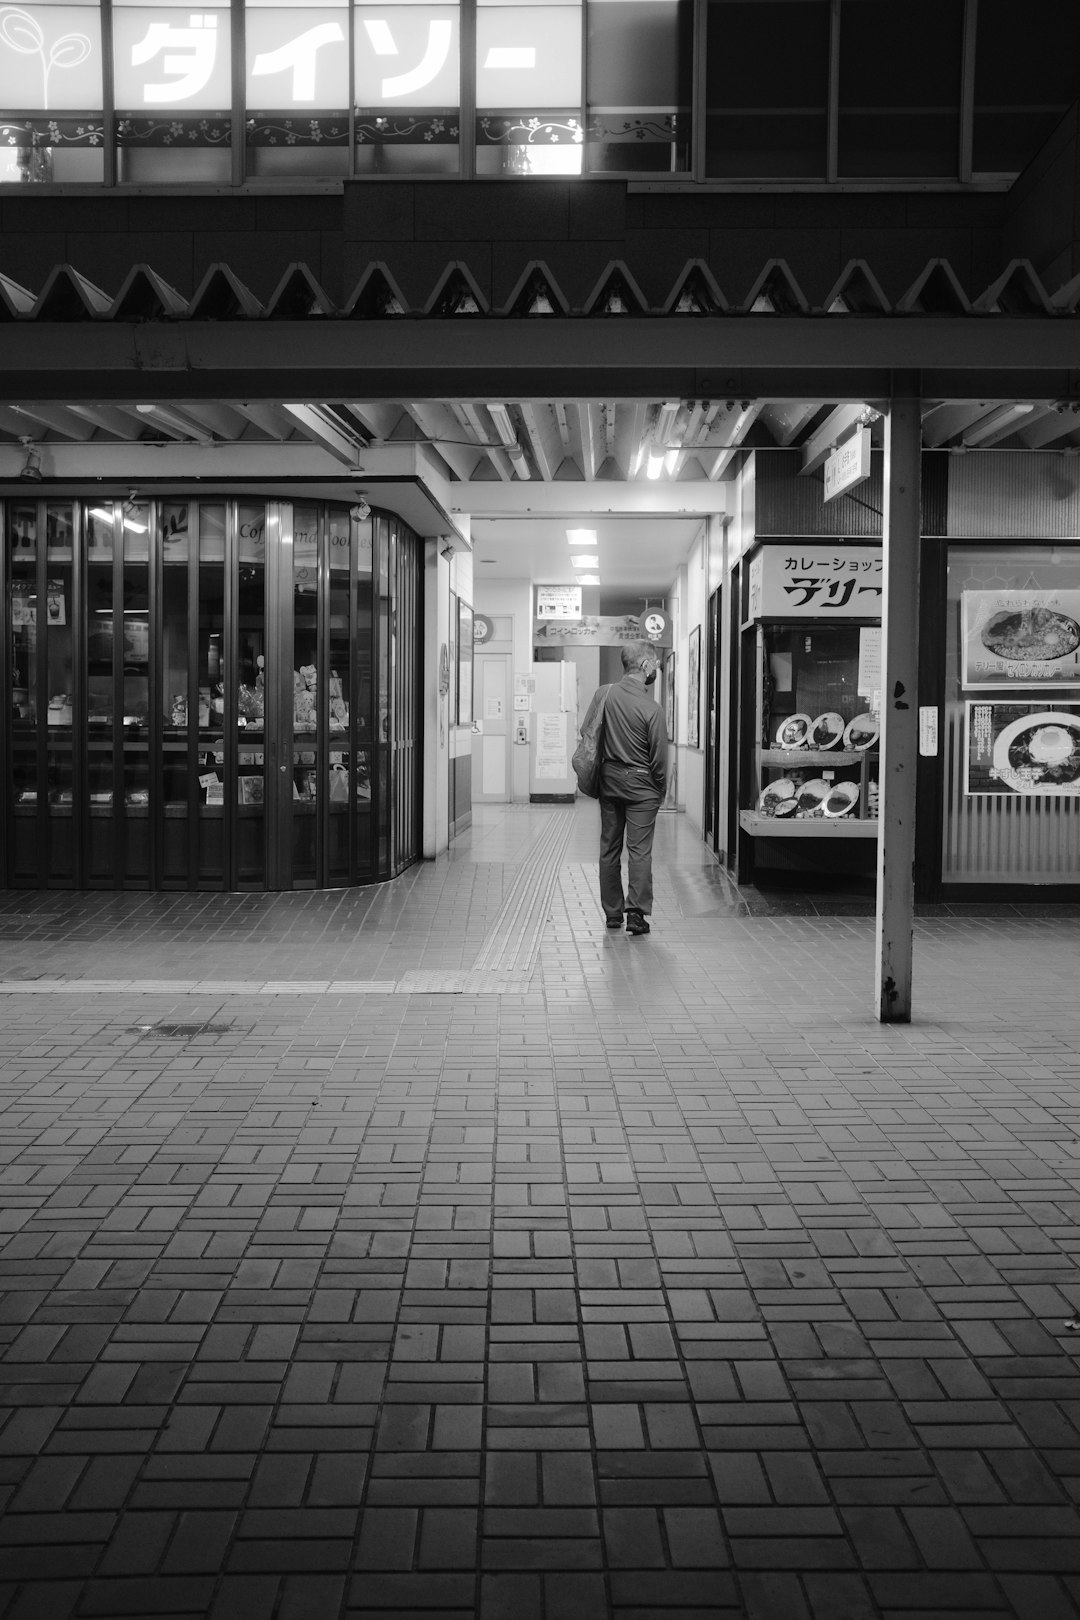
(849, 464)
(928, 732)
(817, 579)
(551, 758)
(558, 601)
(869, 680)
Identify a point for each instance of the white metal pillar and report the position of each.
(899, 711)
(436, 836)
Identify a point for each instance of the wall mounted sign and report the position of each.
(655, 625)
(1026, 748)
(811, 579)
(558, 601)
(596, 632)
(482, 628)
(1028, 637)
(848, 465)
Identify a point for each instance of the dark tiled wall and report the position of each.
(1042, 216)
(577, 227)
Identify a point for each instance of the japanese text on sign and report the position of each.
(843, 582)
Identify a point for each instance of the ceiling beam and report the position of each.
(717, 465)
(791, 419)
(57, 418)
(589, 428)
(1054, 424)
(949, 419)
(438, 424)
(267, 417)
(470, 419)
(316, 428)
(848, 358)
(823, 441)
(110, 418)
(566, 499)
(530, 416)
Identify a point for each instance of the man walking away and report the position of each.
(633, 780)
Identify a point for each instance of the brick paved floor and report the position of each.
(620, 1277)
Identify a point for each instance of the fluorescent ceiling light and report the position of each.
(655, 464)
(665, 421)
(585, 559)
(588, 579)
(581, 537)
(503, 425)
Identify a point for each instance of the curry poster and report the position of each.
(1023, 748)
(1021, 637)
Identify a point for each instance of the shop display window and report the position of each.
(1010, 743)
(813, 767)
(157, 666)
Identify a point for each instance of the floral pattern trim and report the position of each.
(379, 130)
(213, 131)
(664, 127)
(52, 132)
(521, 130)
(282, 129)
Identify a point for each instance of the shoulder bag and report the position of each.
(586, 760)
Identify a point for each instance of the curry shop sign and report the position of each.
(815, 580)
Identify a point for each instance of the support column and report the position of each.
(899, 746)
(436, 831)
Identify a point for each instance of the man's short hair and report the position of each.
(633, 652)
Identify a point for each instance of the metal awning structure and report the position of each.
(535, 391)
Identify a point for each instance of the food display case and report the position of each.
(813, 766)
(810, 710)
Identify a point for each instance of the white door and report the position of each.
(491, 749)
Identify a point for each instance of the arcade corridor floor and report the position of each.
(431, 1251)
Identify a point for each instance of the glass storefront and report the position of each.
(210, 694)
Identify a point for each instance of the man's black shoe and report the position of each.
(614, 922)
(636, 923)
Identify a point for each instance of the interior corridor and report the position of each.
(430, 1250)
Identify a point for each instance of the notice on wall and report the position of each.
(1028, 637)
(558, 601)
(1028, 748)
(551, 760)
(493, 708)
(869, 660)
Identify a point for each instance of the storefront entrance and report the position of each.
(209, 693)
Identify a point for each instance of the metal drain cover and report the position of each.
(182, 1032)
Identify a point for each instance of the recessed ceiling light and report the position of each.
(585, 559)
(588, 579)
(581, 537)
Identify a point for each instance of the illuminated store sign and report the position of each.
(171, 58)
(297, 57)
(50, 57)
(407, 56)
(167, 56)
(528, 56)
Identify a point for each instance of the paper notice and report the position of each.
(551, 760)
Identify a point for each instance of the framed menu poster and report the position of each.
(1020, 638)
